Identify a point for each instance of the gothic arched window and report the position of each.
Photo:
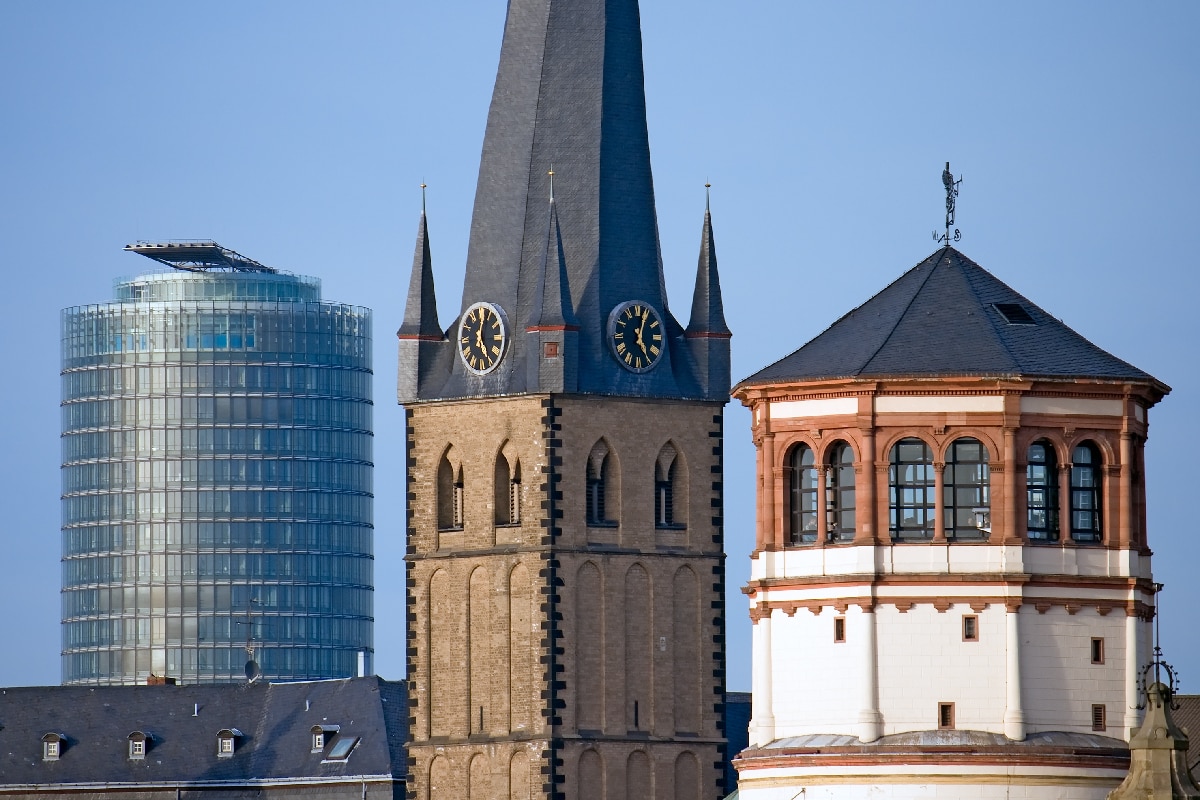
(670, 498)
(1085, 493)
(449, 494)
(911, 490)
(601, 496)
(839, 493)
(966, 491)
(507, 491)
(1041, 493)
(802, 495)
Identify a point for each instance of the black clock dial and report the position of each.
(635, 332)
(482, 337)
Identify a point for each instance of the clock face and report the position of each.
(482, 337)
(635, 332)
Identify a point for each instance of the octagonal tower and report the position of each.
(951, 584)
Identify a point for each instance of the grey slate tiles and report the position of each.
(941, 318)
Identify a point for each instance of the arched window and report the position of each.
(966, 491)
(839, 493)
(911, 490)
(802, 495)
(669, 492)
(1085, 493)
(599, 487)
(1041, 493)
(507, 491)
(449, 495)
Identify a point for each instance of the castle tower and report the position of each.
(565, 570)
(951, 584)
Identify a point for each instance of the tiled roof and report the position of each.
(948, 316)
(1187, 716)
(182, 723)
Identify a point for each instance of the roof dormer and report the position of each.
(227, 742)
(139, 743)
(52, 746)
(321, 734)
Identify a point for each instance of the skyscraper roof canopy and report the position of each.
(197, 256)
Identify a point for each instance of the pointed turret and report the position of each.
(1158, 755)
(420, 333)
(553, 330)
(707, 334)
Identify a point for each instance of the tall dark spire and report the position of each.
(552, 334)
(569, 92)
(552, 301)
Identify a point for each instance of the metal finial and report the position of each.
(1158, 666)
(951, 185)
(424, 186)
(551, 174)
(707, 197)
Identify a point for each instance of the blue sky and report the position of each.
(298, 133)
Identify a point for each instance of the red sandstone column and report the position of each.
(1014, 531)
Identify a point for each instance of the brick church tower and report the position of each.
(565, 576)
(951, 588)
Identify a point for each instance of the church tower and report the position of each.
(951, 588)
(565, 578)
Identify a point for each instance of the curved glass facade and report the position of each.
(217, 468)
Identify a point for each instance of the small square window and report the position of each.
(50, 750)
(318, 743)
(945, 716)
(970, 628)
(226, 744)
(839, 629)
(1097, 650)
(1099, 717)
(551, 350)
(137, 748)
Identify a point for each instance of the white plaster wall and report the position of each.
(816, 680)
(1060, 683)
(923, 661)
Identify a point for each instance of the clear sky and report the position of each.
(297, 133)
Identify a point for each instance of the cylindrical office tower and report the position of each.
(217, 467)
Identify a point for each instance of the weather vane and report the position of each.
(951, 193)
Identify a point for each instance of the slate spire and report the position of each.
(707, 334)
(708, 312)
(553, 331)
(420, 335)
(420, 311)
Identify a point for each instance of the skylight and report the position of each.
(342, 749)
(1014, 313)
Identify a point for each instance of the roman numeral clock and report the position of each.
(635, 333)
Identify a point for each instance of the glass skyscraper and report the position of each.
(217, 477)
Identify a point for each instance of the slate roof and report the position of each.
(1188, 717)
(183, 721)
(941, 319)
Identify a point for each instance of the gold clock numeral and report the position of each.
(654, 351)
(621, 348)
(495, 349)
(629, 358)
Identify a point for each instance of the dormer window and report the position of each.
(341, 750)
(139, 743)
(52, 746)
(321, 734)
(227, 742)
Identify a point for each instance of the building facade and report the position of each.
(217, 465)
(952, 522)
(565, 569)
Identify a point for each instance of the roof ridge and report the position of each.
(900, 317)
(991, 322)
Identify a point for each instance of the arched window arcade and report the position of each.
(911, 496)
(966, 491)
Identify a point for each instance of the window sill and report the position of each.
(602, 524)
(671, 527)
(450, 530)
